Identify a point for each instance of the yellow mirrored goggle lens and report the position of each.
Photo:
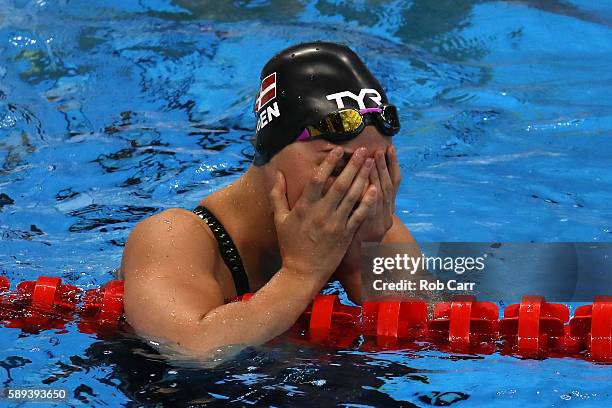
(344, 121)
(351, 120)
(347, 120)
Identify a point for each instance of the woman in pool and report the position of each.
(323, 181)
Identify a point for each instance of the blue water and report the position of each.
(111, 111)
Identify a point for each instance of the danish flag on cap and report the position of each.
(266, 93)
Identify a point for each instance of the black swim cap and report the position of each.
(301, 85)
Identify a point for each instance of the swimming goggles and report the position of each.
(345, 124)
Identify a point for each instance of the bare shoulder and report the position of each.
(171, 237)
(169, 266)
(168, 220)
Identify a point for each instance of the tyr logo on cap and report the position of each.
(267, 92)
(374, 96)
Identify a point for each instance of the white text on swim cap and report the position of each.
(374, 96)
(266, 115)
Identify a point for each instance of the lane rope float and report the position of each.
(533, 328)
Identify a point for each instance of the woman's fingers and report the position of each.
(375, 181)
(356, 190)
(314, 189)
(278, 196)
(385, 179)
(364, 211)
(394, 173)
(343, 183)
(394, 169)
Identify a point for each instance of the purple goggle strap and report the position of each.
(305, 135)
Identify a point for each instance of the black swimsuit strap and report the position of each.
(228, 250)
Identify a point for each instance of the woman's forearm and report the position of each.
(269, 313)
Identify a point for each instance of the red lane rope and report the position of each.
(532, 328)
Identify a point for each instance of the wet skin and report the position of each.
(290, 236)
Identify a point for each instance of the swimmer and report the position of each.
(323, 180)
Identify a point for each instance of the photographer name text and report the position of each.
(422, 285)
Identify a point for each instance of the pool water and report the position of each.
(111, 111)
